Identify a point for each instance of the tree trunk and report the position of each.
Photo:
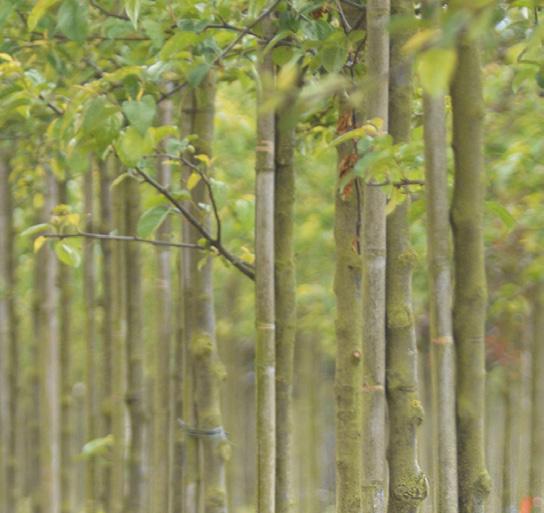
(49, 375)
(118, 356)
(107, 332)
(135, 399)
(536, 479)
(7, 360)
(265, 358)
(469, 309)
(445, 488)
(89, 295)
(374, 431)
(65, 343)
(285, 302)
(162, 354)
(407, 483)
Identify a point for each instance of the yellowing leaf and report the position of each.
(204, 158)
(435, 68)
(193, 180)
(38, 12)
(419, 40)
(39, 242)
(367, 129)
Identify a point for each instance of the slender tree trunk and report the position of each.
(536, 477)
(89, 294)
(445, 488)
(511, 393)
(135, 399)
(107, 332)
(118, 417)
(162, 354)
(265, 358)
(65, 342)
(7, 414)
(49, 376)
(374, 430)
(347, 289)
(407, 483)
(285, 284)
(470, 301)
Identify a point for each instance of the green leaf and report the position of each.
(67, 254)
(140, 113)
(37, 228)
(197, 74)
(72, 20)
(132, 8)
(132, 146)
(97, 446)
(333, 57)
(501, 212)
(435, 68)
(38, 12)
(151, 219)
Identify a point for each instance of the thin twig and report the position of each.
(242, 266)
(108, 13)
(53, 107)
(345, 22)
(228, 49)
(122, 238)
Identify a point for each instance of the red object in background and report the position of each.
(526, 505)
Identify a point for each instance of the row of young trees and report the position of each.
(114, 397)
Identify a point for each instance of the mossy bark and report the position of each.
(208, 369)
(135, 399)
(7, 360)
(265, 358)
(107, 332)
(49, 359)
(118, 406)
(285, 284)
(407, 483)
(90, 333)
(536, 476)
(65, 343)
(445, 487)
(374, 431)
(470, 298)
(162, 352)
(347, 289)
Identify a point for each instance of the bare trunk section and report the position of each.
(65, 342)
(89, 295)
(265, 358)
(285, 303)
(469, 309)
(162, 353)
(135, 399)
(107, 329)
(374, 432)
(118, 356)
(445, 488)
(407, 483)
(536, 477)
(50, 453)
(7, 360)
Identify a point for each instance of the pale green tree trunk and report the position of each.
(50, 472)
(89, 295)
(107, 331)
(407, 483)
(265, 358)
(470, 301)
(65, 343)
(445, 488)
(118, 356)
(285, 301)
(162, 354)
(536, 476)
(137, 475)
(374, 431)
(7, 390)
